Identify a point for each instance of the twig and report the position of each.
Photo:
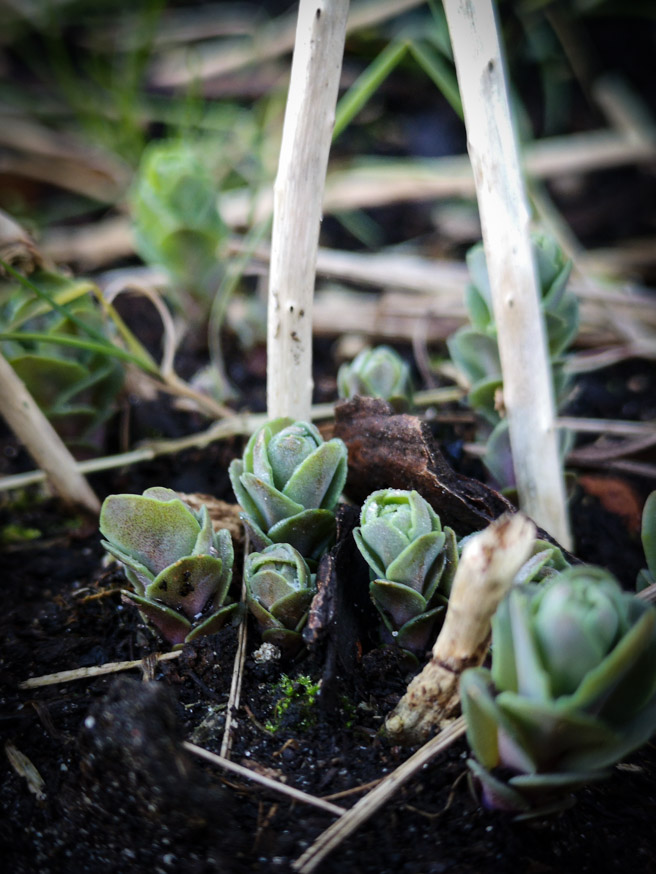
(298, 196)
(95, 671)
(238, 668)
(234, 768)
(384, 792)
(503, 207)
(41, 440)
(273, 41)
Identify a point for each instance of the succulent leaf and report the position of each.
(153, 532)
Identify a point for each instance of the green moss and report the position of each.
(296, 704)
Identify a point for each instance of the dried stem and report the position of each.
(298, 195)
(488, 564)
(374, 800)
(95, 671)
(276, 786)
(503, 207)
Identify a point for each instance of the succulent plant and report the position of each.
(647, 576)
(571, 690)
(288, 483)
(279, 588)
(412, 561)
(475, 352)
(179, 566)
(377, 373)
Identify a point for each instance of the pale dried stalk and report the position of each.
(298, 195)
(275, 785)
(238, 668)
(374, 800)
(41, 440)
(219, 59)
(95, 670)
(488, 564)
(503, 208)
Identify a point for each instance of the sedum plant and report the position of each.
(279, 589)
(647, 576)
(288, 483)
(180, 567)
(377, 373)
(412, 561)
(571, 690)
(474, 348)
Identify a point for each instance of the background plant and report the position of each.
(379, 373)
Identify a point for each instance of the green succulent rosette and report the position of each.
(571, 690)
(179, 566)
(288, 483)
(412, 561)
(377, 373)
(474, 348)
(279, 589)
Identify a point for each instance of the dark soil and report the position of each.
(121, 794)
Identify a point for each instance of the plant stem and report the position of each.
(298, 196)
(503, 207)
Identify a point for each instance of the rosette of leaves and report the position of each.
(412, 561)
(377, 373)
(647, 576)
(571, 690)
(180, 567)
(176, 220)
(288, 483)
(475, 352)
(73, 382)
(279, 589)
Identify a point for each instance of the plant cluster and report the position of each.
(412, 560)
(571, 689)
(475, 352)
(179, 566)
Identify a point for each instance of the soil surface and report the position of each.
(118, 792)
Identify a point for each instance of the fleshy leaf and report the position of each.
(188, 584)
(414, 565)
(272, 506)
(171, 625)
(401, 602)
(232, 613)
(153, 532)
(318, 481)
